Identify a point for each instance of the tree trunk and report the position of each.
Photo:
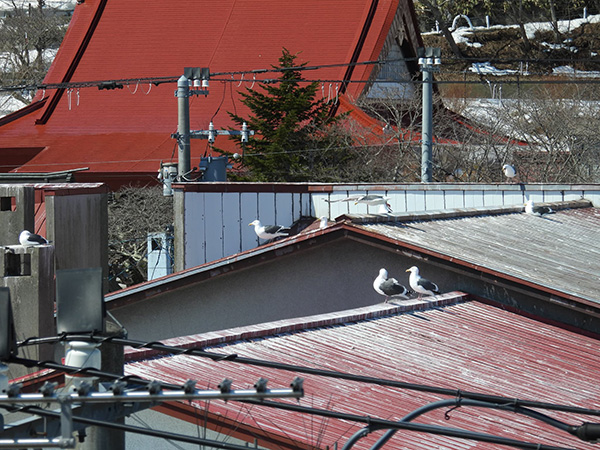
(439, 17)
(554, 21)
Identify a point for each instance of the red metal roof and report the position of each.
(467, 346)
(128, 130)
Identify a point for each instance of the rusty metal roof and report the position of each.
(559, 251)
(450, 343)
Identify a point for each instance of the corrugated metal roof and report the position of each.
(560, 251)
(128, 130)
(465, 346)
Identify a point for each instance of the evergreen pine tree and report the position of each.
(291, 141)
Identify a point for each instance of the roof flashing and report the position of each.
(456, 213)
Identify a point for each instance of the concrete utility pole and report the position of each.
(183, 127)
(429, 61)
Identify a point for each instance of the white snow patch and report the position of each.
(486, 68)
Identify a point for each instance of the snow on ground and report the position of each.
(463, 35)
(9, 104)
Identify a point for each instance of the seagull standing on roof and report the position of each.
(28, 239)
(389, 287)
(267, 232)
(509, 171)
(323, 222)
(532, 208)
(420, 284)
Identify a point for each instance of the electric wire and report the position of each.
(232, 357)
(230, 75)
(129, 428)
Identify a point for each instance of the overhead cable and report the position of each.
(232, 357)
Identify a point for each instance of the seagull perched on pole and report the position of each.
(389, 287)
(532, 208)
(420, 284)
(509, 171)
(267, 232)
(28, 239)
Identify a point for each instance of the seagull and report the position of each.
(420, 284)
(531, 208)
(323, 222)
(369, 199)
(509, 171)
(384, 208)
(267, 232)
(372, 200)
(389, 287)
(28, 239)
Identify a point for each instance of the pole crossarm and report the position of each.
(140, 396)
(106, 407)
(81, 422)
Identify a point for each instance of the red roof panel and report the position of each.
(129, 129)
(465, 346)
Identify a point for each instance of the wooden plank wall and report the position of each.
(216, 223)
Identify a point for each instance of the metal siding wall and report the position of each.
(553, 196)
(195, 229)
(454, 199)
(224, 217)
(473, 199)
(573, 195)
(434, 200)
(248, 208)
(232, 225)
(492, 198)
(213, 211)
(592, 196)
(308, 205)
(536, 196)
(322, 208)
(339, 208)
(513, 198)
(415, 201)
(398, 202)
(284, 210)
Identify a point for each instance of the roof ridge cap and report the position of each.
(215, 338)
(456, 212)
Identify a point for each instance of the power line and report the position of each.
(112, 84)
(232, 357)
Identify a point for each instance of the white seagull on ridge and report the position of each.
(323, 222)
(389, 287)
(532, 208)
(267, 232)
(28, 239)
(420, 284)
